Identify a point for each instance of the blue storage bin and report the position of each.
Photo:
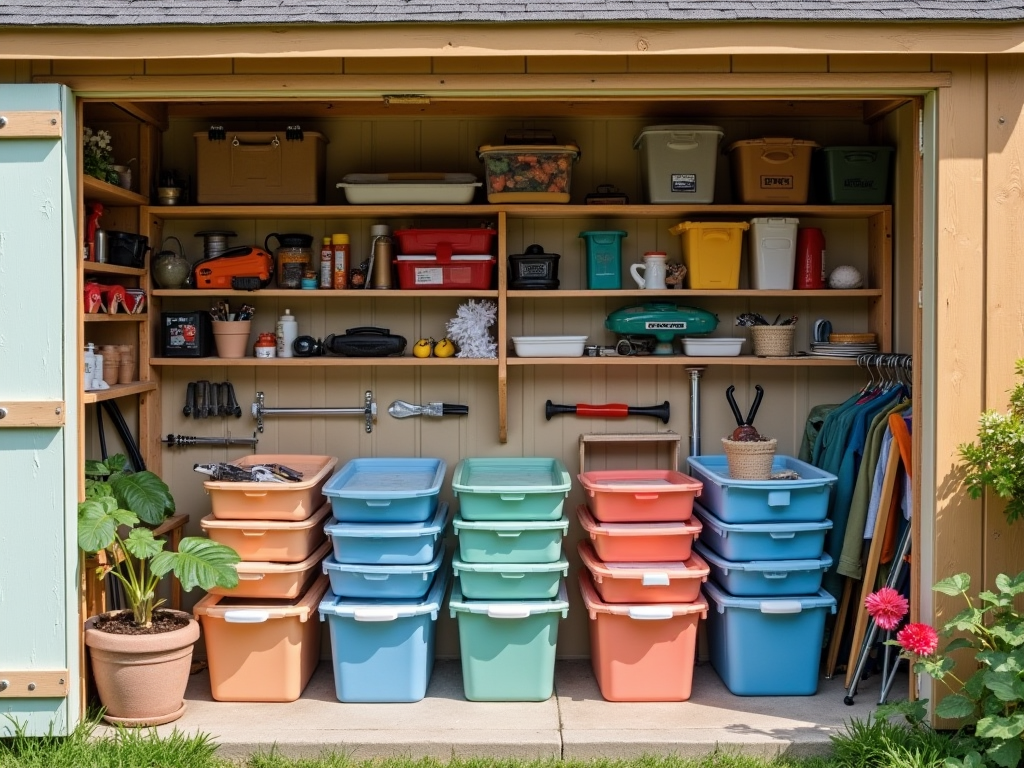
(767, 646)
(761, 541)
(389, 543)
(378, 582)
(386, 490)
(763, 501)
(765, 578)
(383, 650)
(511, 489)
(510, 581)
(510, 541)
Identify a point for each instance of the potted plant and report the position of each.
(141, 656)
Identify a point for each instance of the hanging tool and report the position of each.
(213, 405)
(190, 399)
(202, 399)
(234, 409)
(403, 410)
(368, 411)
(608, 411)
(188, 441)
(745, 427)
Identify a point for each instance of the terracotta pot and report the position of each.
(141, 679)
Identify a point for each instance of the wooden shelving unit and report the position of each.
(119, 390)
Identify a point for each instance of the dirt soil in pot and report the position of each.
(123, 624)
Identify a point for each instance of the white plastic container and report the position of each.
(677, 163)
(712, 347)
(772, 253)
(409, 188)
(549, 346)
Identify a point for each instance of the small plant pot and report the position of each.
(231, 337)
(750, 460)
(772, 340)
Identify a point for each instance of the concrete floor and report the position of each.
(575, 723)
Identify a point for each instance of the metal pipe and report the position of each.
(187, 441)
(368, 410)
(695, 374)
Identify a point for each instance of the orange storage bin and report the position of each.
(639, 542)
(277, 581)
(645, 582)
(261, 650)
(772, 170)
(640, 495)
(269, 540)
(642, 652)
(273, 501)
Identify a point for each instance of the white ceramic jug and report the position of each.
(653, 269)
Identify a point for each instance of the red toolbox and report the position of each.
(445, 272)
(445, 241)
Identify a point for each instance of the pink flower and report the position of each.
(887, 607)
(919, 639)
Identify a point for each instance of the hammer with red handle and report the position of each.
(609, 411)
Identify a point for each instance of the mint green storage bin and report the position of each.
(510, 581)
(511, 489)
(510, 541)
(508, 647)
(604, 259)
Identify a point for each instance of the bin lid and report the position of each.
(257, 568)
(684, 226)
(391, 478)
(561, 564)
(316, 519)
(508, 609)
(767, 566)
(330, 564)
(641, 612)
(716, 467)
(569, 149)
(407, 178)
(680, 129)
(719, 600)
(388, 609)
(511, 475)
(595, 528)
(256, 610)
(510, 525)
(313, 469)
(862, 148)
(724, 529)
(772, 142)
(436, 524)
(648, 482)
(651, 574)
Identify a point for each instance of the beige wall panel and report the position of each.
(36, 67)
(657, 63)
(98, 67)
(304, 66)
(556, 65)
(879, 63)
(515, 65)
(189, 66)
(396, 66)
(8, 71)
(780, 63)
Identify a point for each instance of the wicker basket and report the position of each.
(750, 460)
(772, 340)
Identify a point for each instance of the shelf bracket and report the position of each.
(368, 411)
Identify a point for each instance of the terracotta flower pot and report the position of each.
(141, 679)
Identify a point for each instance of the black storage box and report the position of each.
(186, 334)
(126, 249)
(533, 270)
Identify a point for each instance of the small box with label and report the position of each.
(186, 334)
(466, 272)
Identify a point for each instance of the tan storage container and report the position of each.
(269, 540)
(248, 167)
(273, 501)
(277, 581)
(771, 170)
(261, 650)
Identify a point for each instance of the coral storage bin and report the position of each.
(763, 501)
(272, 541)
(275, 581)
(677, 163)
(771, 170)
(762, 541)
(443, 272)
(767, 646)
(391, 582)
(772, 253)
(711, 253)
(510, 541)
(857, 175)
(261, 650)
(766, 578)
(639, 542)
(507, 646)
(510, 581)
(511, 489)
(642, 652)
(640, 495)
(386, 490)
(389, 543)
(644, 582)
(383, 650)
(273, 501)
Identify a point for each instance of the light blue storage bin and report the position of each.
(510, 581)
(765, 578)
(389, 543)
(763, 501)
(761, 541)
(383, 650)
(510, 541)
(386, 490)
(767, 646)
(511, 489)
(379, 582)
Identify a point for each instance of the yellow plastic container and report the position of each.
(711, 253)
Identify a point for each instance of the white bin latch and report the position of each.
(781, 606)
(655, 579)
(246, 616)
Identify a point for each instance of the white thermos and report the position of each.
(287, 332)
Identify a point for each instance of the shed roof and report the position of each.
(122, 13)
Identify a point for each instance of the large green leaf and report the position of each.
(199, 563)
(1001, 600)
(141, 543)
(957, 643)
(1011, 634)
(98, 520)
(1010, 585)
(1007, 686)
(954, 707)
(145, 494)
(1006, 753)
(117, 462)
(975, 685)
(953, 585)
(997, 727)
(95, 468)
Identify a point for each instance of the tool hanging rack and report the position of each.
(368, 411)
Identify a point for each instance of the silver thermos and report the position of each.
(100, 246)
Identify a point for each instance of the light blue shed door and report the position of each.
(39, 401)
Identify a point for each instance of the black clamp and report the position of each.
(216, 133)
(294, 133)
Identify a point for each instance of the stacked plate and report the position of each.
(845, 345)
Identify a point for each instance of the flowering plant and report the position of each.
(98, 156)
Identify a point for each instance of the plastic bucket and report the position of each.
(604, 256)
(231, 337)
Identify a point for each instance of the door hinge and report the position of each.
(42, 413)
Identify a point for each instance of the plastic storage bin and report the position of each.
(639, 542)
(763, 501)
(431, 242)
(857, 175)
(677, 163)
(767, 646)
(269, 540)
(642, 652)
(762, 541)
(510, 541)
(639, 495)
(381, 582)
(549, 346)
(528, 173)
(604, 259)
(712, 347)
(444, 272)
(386, 490)
(766, 578)
(772, 253)
(771, 170)
(383, 650)
(711, 253)
(644, 582)
(275, 581)
(511, 489)
(510, 581)
(273, 501)
(261, 650)
(389, 543)
(409, 188)
(508, 647)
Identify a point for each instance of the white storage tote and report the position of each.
(772, 253)
(389, 543)
(678, 162)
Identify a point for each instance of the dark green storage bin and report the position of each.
(857, 175)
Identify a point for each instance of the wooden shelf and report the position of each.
(321, 362)
(103, 317)
(119, 390)
(685, 293)
(177, 212)
(110, 194)
(288, 293)
(93, 267)
(797, 361)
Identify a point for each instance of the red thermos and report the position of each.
(810, 259)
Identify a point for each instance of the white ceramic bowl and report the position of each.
(549, 346)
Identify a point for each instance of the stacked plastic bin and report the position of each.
(641, 582)
(386, 576)
(262, 643)
(509, 591)
(764, 542)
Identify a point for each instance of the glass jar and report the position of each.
(265, 346)
(294, 257)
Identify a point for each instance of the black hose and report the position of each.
(100, 432)
(131, 447)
